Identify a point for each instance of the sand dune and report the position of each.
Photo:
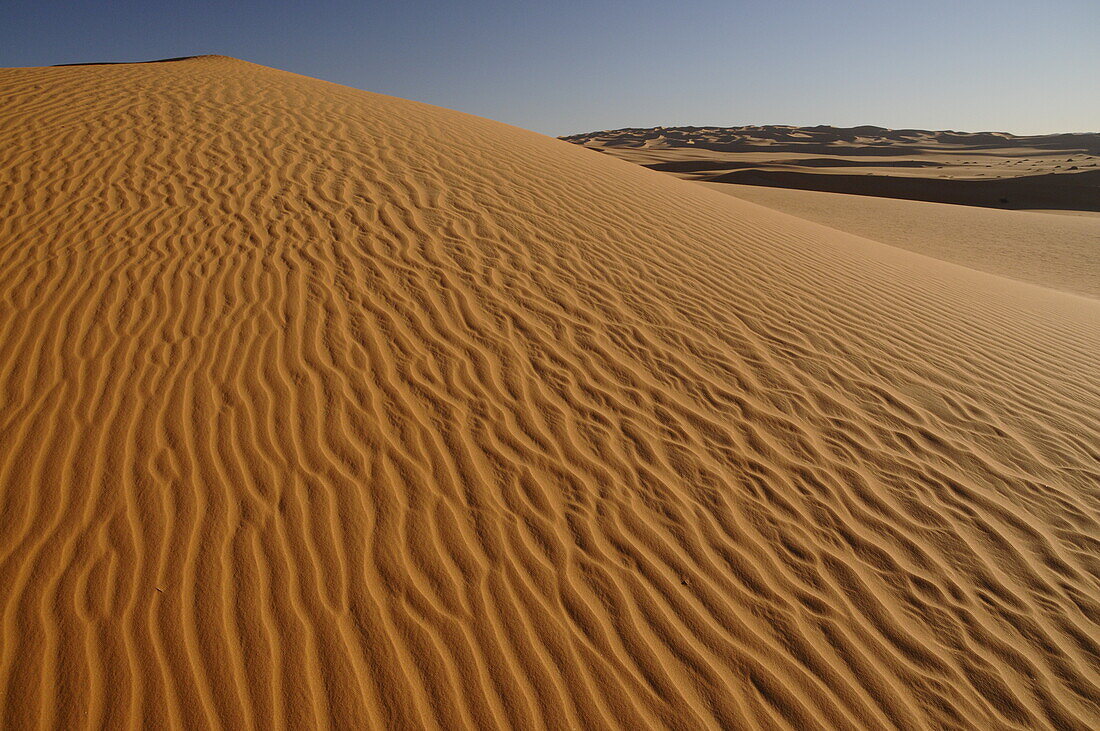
(988, 169)
(929, 192)
(323, 408)
(1052, 250)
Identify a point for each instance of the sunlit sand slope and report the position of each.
(327, 408)
(1049, 249)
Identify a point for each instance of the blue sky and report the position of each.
(568, 66)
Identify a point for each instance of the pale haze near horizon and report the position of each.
(569, 67)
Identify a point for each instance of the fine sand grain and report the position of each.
(327, 409)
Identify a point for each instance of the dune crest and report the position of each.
(324, 408)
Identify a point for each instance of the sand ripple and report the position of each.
(322, 408)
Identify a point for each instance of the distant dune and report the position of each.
(328, 409)
(991, 169)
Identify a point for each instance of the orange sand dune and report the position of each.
(1049, 249)
(323, 408)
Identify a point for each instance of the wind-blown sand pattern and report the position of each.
(323, 408)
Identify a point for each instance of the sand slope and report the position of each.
(1049, 249)
(326, 408)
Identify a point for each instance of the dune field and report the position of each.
(990, 169)
(986, 200)
(325, 409)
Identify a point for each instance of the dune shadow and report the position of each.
(126, 63)
(702, 166)
(1054, 191)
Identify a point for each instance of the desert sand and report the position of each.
(1042, 247)
(991, 169)
(328, 409)
(984, 200)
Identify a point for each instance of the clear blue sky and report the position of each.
(565, 66)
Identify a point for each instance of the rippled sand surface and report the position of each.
(320, 408)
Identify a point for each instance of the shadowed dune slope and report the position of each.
(1040, 191)
(327, 408)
